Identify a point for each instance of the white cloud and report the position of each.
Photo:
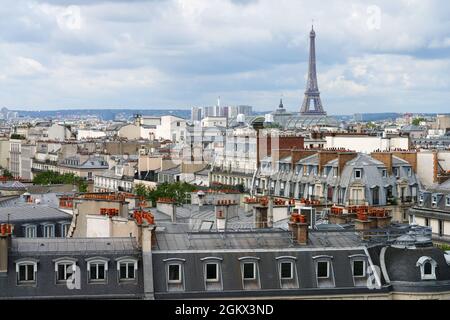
(185, 52)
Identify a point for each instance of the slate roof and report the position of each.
(31, 212)
(401, 263)
(251, 240)
(13, 185)
(72, 245)
(311, 160)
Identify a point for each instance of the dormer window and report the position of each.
(49, 230)
(97, 268)
(335, 172)
(384, 173)
(409, 170)
(421, 199)
(396, 172)
(212, 273)
(65, 269)
(287, 272)
(447, 201)
(127, 268)
(358, 173)
(26, 270)
(434, 200)
(175, 274)
(427, 268)
(250, 273)
(324, 271)
(30, 231)
(359, 265)
(65, 229)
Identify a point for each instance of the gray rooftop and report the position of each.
(31, 212)
(252, 240)
(74, 245)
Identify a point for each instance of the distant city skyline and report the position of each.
(176, 54)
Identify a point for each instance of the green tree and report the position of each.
(141, 190)
(417, 121)
(7, 174)
(49, 178)
(17, 136)
(177, 191)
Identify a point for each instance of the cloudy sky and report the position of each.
(373, 56)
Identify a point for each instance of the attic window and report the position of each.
(427, 268)
(323, 268)
(434, 200)
(447, 201)
(359, 268)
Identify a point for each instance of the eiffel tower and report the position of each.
(312, 105)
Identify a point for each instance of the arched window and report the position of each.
(212, 269)
(64, 269)
(26, 270)
(250, 273)
(174, 274)
(427, 268)
(287, 270)
(97, 269)
(127, 269)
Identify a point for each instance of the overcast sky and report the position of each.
(373, 56)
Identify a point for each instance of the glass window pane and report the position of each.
(322, 269)
(211, 271)
(30, 272)
(61, 272)
(358, 268)
(22, 271)
(101, 272)
(130, 270)
(123, 271)
(249, 271)
(93, 271)
(286, 270)
(174, 272)
(427, 268)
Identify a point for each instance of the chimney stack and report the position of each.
(261, 214)
(299, 228)
(385, 157)
(225, 209)
(6, 231)
(343, 158)
(168, 207)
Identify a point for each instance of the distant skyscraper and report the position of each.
(247, 110)
(312, 105)
(196, 114)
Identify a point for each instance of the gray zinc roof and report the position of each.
(72, 245)
(252, 240)
(31, 212)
